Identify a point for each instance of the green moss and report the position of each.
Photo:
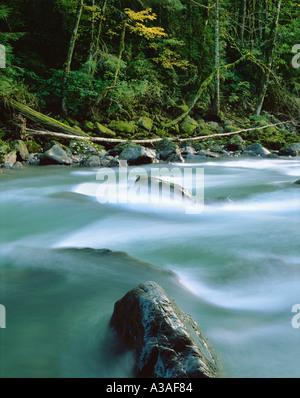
(188, 126)
(33, 147)
(88, 126)
(78, 129)
(126, 145)
(123, 126)
(82, 147)
(206, 132)
(4, 150)
(165, 145)
(103, 131)
(145, 123)
(231, 129)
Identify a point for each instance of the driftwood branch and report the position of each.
(233, 132)
(151, 141)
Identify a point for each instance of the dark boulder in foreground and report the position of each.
(167, 343)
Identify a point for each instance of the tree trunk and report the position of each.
(121, 50)
(216, 104)
(97, 44)
(270, 63)
(70, 56)
(90, 57)
(42, 119)
(242, 19)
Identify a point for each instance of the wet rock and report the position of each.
(34, 159)
(290, 150)
(174, 191)
(188, 151)
(110, 161)
(166, 148)
(166, 341)
(206, 153)
(175, 158)
(256, 150)
(84, 147)
(9, 160)
(91, 161)
(55, 155)
(21, 149)
(236, 143)
(18, 166)
(297, 182)
(138, 155)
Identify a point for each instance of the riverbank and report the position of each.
(18, 154)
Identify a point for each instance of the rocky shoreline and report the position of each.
(17, 154)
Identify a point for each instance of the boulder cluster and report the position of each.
(85, 153)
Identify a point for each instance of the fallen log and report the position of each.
(151, 141)
(42, 119)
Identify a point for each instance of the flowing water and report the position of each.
(66, 259)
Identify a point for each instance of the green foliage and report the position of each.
(168, 52)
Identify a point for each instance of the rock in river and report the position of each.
(136, 155)
(166, 341)
(55, 155)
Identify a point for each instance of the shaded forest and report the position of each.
(177, 63)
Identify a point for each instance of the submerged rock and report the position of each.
(166, 341)
(175, 191)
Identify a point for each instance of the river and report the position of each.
(65, 259)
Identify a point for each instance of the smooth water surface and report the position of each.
(236, 268)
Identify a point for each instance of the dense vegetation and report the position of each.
(108, 61)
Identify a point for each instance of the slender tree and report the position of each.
(68, 62)
(270, 61)
(216, 104)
